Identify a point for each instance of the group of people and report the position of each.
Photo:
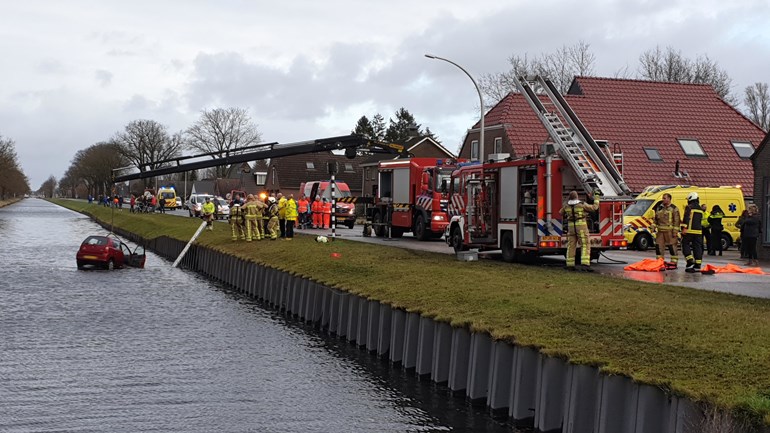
(108, 201)
(256, 218)
(147, 203)
(696, 223)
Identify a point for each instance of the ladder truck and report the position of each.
(513, 205)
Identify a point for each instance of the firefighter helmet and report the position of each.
(692, 196)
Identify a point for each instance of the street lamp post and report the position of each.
(481, 102)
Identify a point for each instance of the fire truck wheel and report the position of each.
(509, 254)
(457, 240)
(420, 229)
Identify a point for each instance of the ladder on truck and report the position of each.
(571, 139)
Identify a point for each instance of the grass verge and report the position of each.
(710, 347)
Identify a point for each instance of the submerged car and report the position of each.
(108, 252)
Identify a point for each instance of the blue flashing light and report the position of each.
(439, 162)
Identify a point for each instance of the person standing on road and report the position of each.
(752, 228)
(574, 213)
(739, 224)
(692, 233)
(317, 213)
(715, 227)
(291, 217)
(667, 220)
(327, 211)
(303, 206)
(208, 210)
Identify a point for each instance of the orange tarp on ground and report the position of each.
(648, 265)
(731, 268)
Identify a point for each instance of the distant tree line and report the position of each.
(13, 181)
(145, 144)
(657, 64)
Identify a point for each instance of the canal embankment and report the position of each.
(561, 351)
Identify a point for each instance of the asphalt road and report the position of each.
(610, 264)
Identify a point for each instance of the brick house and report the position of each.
(287, 173)
(761, 162)
(668, 133)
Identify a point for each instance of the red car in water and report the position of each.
(108, 252)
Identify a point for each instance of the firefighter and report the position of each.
(236, 221)
(327, 212)
(317, 209)
(692, 233)
(574, 213)
(282, 214)
(272, 224)
(667, 221)
(208, 213)
(291, 217)
(715, 223)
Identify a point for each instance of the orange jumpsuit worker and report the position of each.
(327, 211)
(317, 209)
(302, 207)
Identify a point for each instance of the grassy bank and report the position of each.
(708, 346)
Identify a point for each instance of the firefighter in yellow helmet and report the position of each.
(574, 214)
(237, 221)
(272, 224)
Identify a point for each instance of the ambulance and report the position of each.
(638, 218)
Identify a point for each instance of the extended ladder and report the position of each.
(572, 140)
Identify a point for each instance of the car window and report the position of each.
(95, 240)
(125, 249)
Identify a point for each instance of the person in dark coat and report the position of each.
(716, 227)
(751, 228)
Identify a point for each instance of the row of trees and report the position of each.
(657, 64)
(145, 144)
(397, 130)
(13, 181)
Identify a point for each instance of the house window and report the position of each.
(743, 148)
(653, 154)
(691, 147)
(310, 165)
(349, 167)
(474, 150)
(498, 145)
(260, 178)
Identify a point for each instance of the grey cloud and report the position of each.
(103, 77)
(50, 66)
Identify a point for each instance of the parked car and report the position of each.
(108, 252)
(222, 208)
(195, 203)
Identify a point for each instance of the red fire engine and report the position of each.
(412, 196)
(513, 205)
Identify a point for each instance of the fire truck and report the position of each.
(513, 204)
(412, 196)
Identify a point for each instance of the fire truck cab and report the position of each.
(412, 196)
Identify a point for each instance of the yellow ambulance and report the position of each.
(638, 218)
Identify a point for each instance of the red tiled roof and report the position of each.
(637, 114)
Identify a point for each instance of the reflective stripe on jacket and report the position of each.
(693, 220)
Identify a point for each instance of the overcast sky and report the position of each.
(74, 72)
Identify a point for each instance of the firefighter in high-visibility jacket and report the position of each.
(574, 213)
(237, 221)
(692, 233)
(253, 217)
(272, 224)
(667, 222)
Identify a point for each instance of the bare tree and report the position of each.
(13, 182)
(93, 167)
(222, 131)
(145, 142)
(48, 187)
(560, 67)
(670, 65)
(757, 102)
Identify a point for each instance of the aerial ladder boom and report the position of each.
(571, 139)
(350, 143)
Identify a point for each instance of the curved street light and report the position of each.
(481, 101)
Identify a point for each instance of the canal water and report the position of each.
(164, 350)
